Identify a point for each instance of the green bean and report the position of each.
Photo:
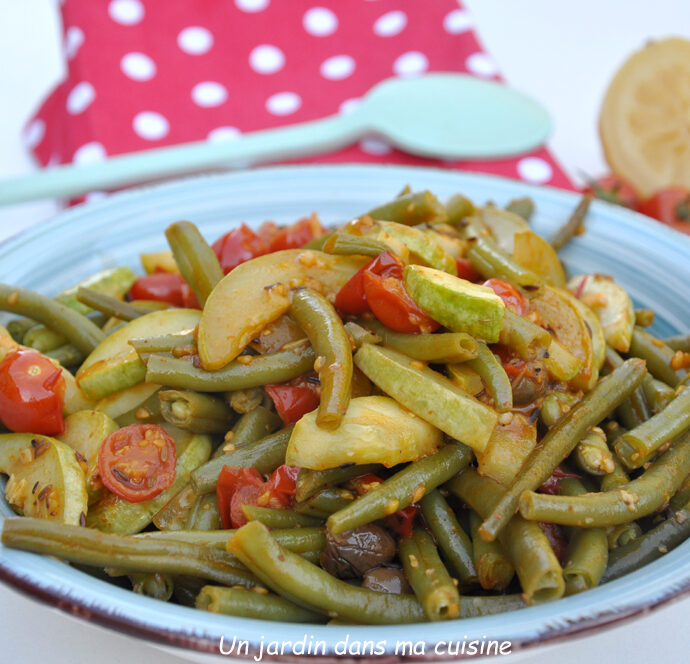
(634, 411)
(195, 412)
(650, 546)
(453, 541)
(148, 410)
(644, 317)
(622, 534)
(588, 550)
(325, 503)
(527, 547)
(238, 374)
(458, 207)
(265, 454)
(402, 489)
(319, 242)
(523, 207)
(244, 401)
(555, 405)
(428, 577)
(348, 244)
(186, 589)
(204, 514)
(252, 426)
(440, 347)
(526, 338)
(309, 482)
(109, 305)
(626, 503)
(68, 355)
(573, 225)
(250, 604)
(494, 570)
(278, 518)
(488, 366)
(592, 454)
(677, 342)
(166, 343)
(360, 335)
(657, 393)
(638, 445)
(132, 554)
(484, 251)
(153, 584)
(615, 478)
(682, 496)
(560, 441)
(78, 329)
(657, 355)
(322, 325)
(43, 339)
(174, 514)
(311, 587)
(411, 209)
(19, 327)
(195, 258)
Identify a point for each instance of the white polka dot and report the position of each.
(138, 66)
(349, 105)
(338, 67)
(209, 94)
(74, 38)
(481, 64)
(224, 134)
(126, 12)
(457, 21)
(320, 22)
(390, 24)
(89, 153)
(266, 59)
(195, 40)
(375, 146)
(411, 63)
(283, 103)
(150, 125)
(80, 98)
(251, 5)
(534, 169)
(95, 196)
(34, 133)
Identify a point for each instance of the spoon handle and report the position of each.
(292, 141)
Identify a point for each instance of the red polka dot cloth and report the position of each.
(148, 73)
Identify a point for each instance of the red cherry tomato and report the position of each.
(466, 270)
(294, 399)
(239, 245)
(670, 206)
(297, 235)
(137, 462)
(351, 299)
(283, 481)
(402, 522)
(613, 189)
(164, 287)
(511, 296)
(32, 393)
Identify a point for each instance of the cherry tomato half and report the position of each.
(466, 270)
(670, 206)
(239, 245)
(137, 462)
(297, 235)
(294, 399)
(511, 296)
(164, 287)
(613, 189)
(32, 393)
(351, 299)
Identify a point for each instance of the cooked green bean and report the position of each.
(175, 513)
(494, 570)
(453, 541)
(677, 342)
(523, 207)
(615, 478)
(644, 317)
(186, 589)
(250, 604)
(488, 366)
(650, 546)
(325, 503)
(411, 209)
(657, 393)
(91, 547)
(18, 327)
(195, 258)
(348, 244)
(682, 496)
(560, 441)
(68, 355)
(626, 503)
(204, 514)
(252, 426)
(638, 445)
(656, 354)
(278, 518)
(43, 339)
(153, 584)
(78, 329)
(555, 405)
(166, 343)
(244, 401)
(109, 305)
(238, 374)
(322, 325)
(309, 586)
(484, 251)
(592, 454)
(402, 489)
(458, 207)
(319, 242)
(265, 454)
(439, 347)
(634, 411)
(428, 577)
(195, 412)
(523, 541)
(526, 338)
(622, 534)
(310, 482)
(361, 335)
(573, 225)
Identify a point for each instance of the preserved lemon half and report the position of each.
(645, 118)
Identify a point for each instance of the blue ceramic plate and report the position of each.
(649, 260)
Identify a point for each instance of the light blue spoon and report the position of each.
(443, 116)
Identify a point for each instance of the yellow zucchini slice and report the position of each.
(534, 253)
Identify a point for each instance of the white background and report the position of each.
(562, 53)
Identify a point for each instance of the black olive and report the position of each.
(387, 579)
(355, 552)
(531, 385)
